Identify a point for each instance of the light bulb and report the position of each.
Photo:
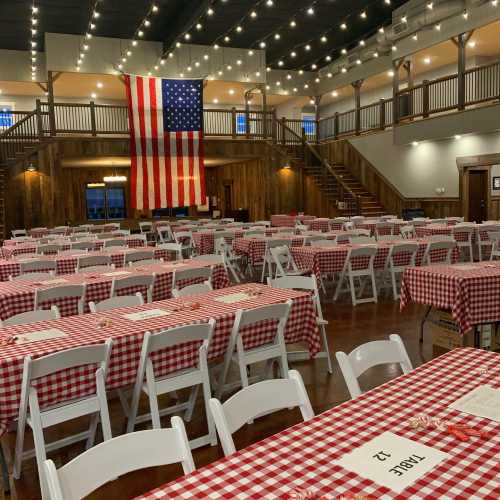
(343, 26)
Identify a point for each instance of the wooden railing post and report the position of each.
(50, 102)
(382, 114)
(274, 126)
(233, 123)
(425, 98)
(93, 128)
(357, 102)
(283, 130)
(39, 119)
(336, 125)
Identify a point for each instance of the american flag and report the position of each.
(166, 142)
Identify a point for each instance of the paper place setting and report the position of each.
(117, 273)
(465, 267)
(52, 333)
(56, 281)
(232, 298)
(392, 461)
(483, 401)
(142, 315)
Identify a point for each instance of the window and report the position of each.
(6, 118)
(170, 212)
(241, 124)
(309, 124)
(105, 203)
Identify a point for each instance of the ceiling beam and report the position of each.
(184, 23)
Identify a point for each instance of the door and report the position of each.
(228, 201)
(478, 195)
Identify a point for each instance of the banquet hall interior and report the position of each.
(250, 249)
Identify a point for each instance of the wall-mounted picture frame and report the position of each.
(496, 183)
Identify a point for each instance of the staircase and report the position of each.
(336, 182)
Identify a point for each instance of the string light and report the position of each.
(33, 41)
(91, 26)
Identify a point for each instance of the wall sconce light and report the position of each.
(440, 190)
(287, 167)
(114, 178)
(31, 167)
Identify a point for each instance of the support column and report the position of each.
(408, 67)
(262, 88)
(396, 64)
(317, 101)
(50, 100)
(461, 43)
(357, 104)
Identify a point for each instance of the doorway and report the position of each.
(478, 195)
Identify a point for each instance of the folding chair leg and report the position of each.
(327, 351)
(353, 290)
(94, 420)
(374, 287)
(39, 442)
(191, 402)
(5, 472)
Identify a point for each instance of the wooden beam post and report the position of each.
(396, 64)
(233, 122)
(50, 101)
(357, 105)
(425, 98)
(461, 43)
(317, 102)
(93, 128)
(408, 67)
(381, 114)
(262, 88)
(248, 98)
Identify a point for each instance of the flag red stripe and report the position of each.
(154, 140)
(201, 156)
(192, 196)
(142, 127)
(133, 150)
(168, 169)
(180, 169)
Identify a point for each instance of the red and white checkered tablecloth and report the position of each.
(304, 456)
(127, 339)
(205, 240)
(319, 224)
(255, 247)
(470, 291)
(281, 220)
(449, 229)
(371, 225)
(43, 232)
(10, 251)
(328, 260)
(66, 264)
(18, 296)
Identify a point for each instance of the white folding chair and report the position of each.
(495, 245)
(145, 227)
(129, 283)
(191, 377)
(85, 262)
(113, 226)
(116, 302)
(408, 232)
(400, 257)
(441, 237)
(369, 355)
(119, 456)
(39, 265)
(306, 283)
(83, 245)
(438, 252)
(383, 229)
(47, 249)
(19, 233)
(114, 242)
(209, 257)
(273, 349)
(165, 234)
(62, 292)
(267, 263)
(256, 400)
(40, 418)
(184, 277)
(484, 239)
(29, 317)
(323, 243)
(185, 239)
(33, 277)
(358, 264)
(362, 239)
(231, 260)
(175, 248)
(463, 237)
(139, 256)
(284, 263)
(195, 289)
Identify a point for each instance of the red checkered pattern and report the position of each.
(289, 220)
(127, 339)
(18, 296)
(255, 248)
(445, 229)
(396, 226)
(66, 264)
(320, 225)
(42, 233)
(472, 295)
(303, 456)
(328, 260)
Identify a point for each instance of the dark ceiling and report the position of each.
(121, 18)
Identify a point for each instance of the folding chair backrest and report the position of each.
(145, 227)
(133, 282)
(93, 260)
(278, 312)
(16, 233)
(195, 289)
(139, 255)
(119, 456)
(117, 302)
(197, 273)
(214, 258)
(60, 292)
(115, 242)
(407, 231)
(82, 245)
(257, 399)
(439, 252)
(323, 243)
(47, 249)
(249, 234)
(37, 265)
(171, 247)
(29, 317)
(362, 239)
(369, 355)
(33, 277)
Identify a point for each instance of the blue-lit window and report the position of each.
(241, 124)
(309, 124)
(105, 203)
(6, 118)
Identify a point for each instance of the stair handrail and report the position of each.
(307, 145)
(18, 124)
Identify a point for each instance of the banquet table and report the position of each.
(18, 296)
(127, 337)
(304, 458)
(328, 260)
(396, 224)
(254, 247)
(319, 224)
(66, 263)
(9, 251)
(281, 220)
(40, 232)
(470, 291)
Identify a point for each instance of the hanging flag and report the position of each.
(166, 142)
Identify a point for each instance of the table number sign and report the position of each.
(483, 401)
(37, 336)
(392, 461)
(142, 315)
